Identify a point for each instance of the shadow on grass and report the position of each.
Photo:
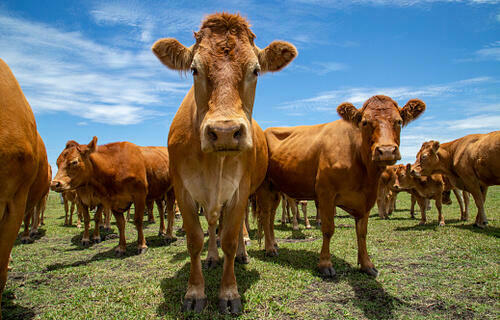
(41, 233)
(370, 296)
(174, 289)
(490, 231)
(13, 311)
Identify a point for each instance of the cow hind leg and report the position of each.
(304, 211)
(96, 236)
(161, 213)
(242, 255)
(86, 226)
(25, 236)
(363, 258)
(327, 213)
(440, 211)
(139, 205)
(170, 203)
(480, 197)
(460, 203)
(120, 223)
(466, 197)
(213, 253)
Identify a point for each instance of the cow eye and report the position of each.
(424, 156)
(73, 162)
(194, 71)
(399, 123)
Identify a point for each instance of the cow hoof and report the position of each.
(248, 242)
(480, 226)
(142, 250)
(327, 272)
(26, 240)
(273, 253)
(96, 240)
(196, 305)
(85, 243)
(441, 224)
(308, 227)
(275, 245)
(169, 240)
(242, 259)
(211, 263)
(295, 228)
(34, 233)
(233, 307)
(119, 253)
(161, 234)
(370, 271)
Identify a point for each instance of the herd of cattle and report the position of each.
(218, 158)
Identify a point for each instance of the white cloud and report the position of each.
(490, 52)
(66, 72)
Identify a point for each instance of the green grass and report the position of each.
(426, 272)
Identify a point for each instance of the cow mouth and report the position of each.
(383, 163)
(60, 188)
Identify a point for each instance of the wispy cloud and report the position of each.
(319, 68)
(490, 52)
(64, 71)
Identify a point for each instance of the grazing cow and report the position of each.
(70, 202)
(218, 152)
(23, 153)
(112, 176)
(160, 188)
(337, 163)
(471, 163)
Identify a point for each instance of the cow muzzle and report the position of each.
(227, 136)
(386, 154)
(58, 186)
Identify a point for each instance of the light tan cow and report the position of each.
(22, 151)
(218, 153)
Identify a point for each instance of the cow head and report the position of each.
(73, 166)
(404, 178)
(225, 64)
(427, 159)
(380, 121)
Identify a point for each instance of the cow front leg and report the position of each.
(139, 205)
(423, 204)
(241, 254)
(25, 236)
(170, 203)
(96, 237)
(66, 213)
(439, 209)
(295, 213)
(479, 197)
(363, 259)
(303, 205)
(161, 212)
(327, 214)
(86, 226)
(107, 220)
(460, 203)
(213, 253)
(412, 206)
(229, 298)
(466, 197)
(120, 223)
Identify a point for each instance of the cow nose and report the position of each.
(225, 135)
(387, 153)
(54, 184)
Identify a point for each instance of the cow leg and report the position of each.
(267, 202)
(161, 213)
(25, 236)
(79, 216)
(169, 237)
(120, 223)
(412, 207)
(318, 216)
(242, 255)
(149, 209)
(284, 219)
(139, 204)
(327, 212)
(36, 219)
(304, 211)
(295, 212)
(66, 210)
(246, 228)
(96, 237)
(438, 202)
(466, 205)
(11, 217)
(460, 203)
(71, 210)
(381, 199)
(107, 219)
(229, 298)
(42, 207)
(392, 203)
(86, 225)
(422, 203)
(213, 252)
(363, 258)
(480, 197)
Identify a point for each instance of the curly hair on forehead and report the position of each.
(226, 22)
(379, 99)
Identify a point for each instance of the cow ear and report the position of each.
(434, 145)
(349, 113)
(408, 169)
(276, 56)
(412, 110)
(173, 54)
(92, 146)
(71, 143)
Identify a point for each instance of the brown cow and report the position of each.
(337, 163)
(386, 194)
(160, 188)
(22, 152)
(471, 163)
(70, 202)
(218, 153)
(112, 176)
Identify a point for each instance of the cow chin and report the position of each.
(384, 163)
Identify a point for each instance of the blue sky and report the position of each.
(87, 69)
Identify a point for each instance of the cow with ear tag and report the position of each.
(110, 176)
(218, 152)
(337, 164)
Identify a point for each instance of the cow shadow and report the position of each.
(175, 287)
(489, 230)
(370, 296)
(41, 233)
(13, 311)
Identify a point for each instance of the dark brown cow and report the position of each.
(218, 153)
(111, 176)
(160, 187)
(339, 164)
(22, 152)
(471, 163)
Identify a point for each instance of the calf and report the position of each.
(471, 163)
(70, 202)
(218, 153)
(112, 176)
(386, 194)
(23, 173)
(337, 163)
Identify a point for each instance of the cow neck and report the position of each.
(93, 181)
(445, 154)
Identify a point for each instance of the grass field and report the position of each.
(426, 272)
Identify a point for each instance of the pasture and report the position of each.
(426, 272)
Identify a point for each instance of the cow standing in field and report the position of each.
(70, 203)
(386, 194)
(160, 188)
(112, 176)
(218, 153)
(339, 164)
(22, 152)
(471, 163)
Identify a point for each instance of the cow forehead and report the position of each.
(67, 155)
(381, 110)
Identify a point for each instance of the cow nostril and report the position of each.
(394, 150)
(380, 151)
(212, 135)
(237, 134)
